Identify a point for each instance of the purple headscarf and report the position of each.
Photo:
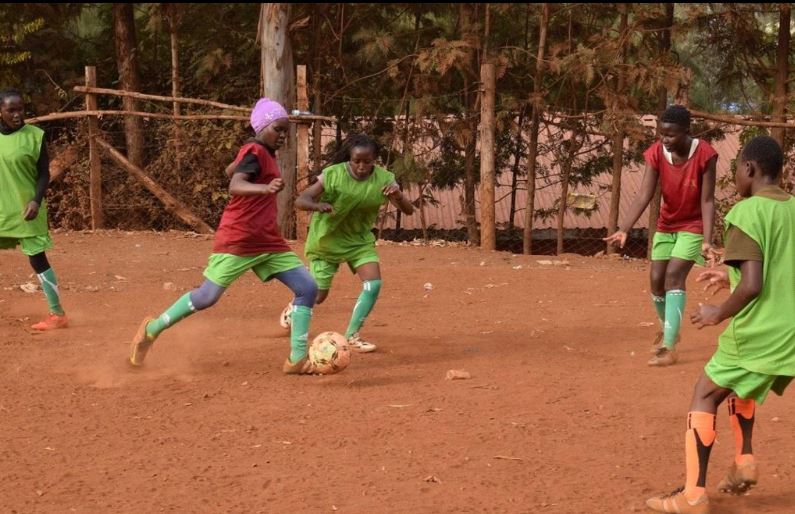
(265, 112)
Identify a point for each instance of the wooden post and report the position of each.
(95, 161)
(278, 83)
(302, 152)
(488, 232)
(317, 134)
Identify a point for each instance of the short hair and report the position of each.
(676, 114)
(765, 152)
(9, 92)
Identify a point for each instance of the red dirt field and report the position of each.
(561, 413)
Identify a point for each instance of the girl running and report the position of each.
(248, 238)
(346, 199)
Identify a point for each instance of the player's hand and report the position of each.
(706, 315)
(711, 253)
(31, 211)
(391, 191)
(325, 207)
(718, 279)
(274, 186)
(619, 238)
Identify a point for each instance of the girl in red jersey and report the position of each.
(685, 168)
(248, 238)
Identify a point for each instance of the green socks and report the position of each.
(659, 306)
(299, 332)
(181, 309)
(674, 310)
(365, 303)
(50, 287)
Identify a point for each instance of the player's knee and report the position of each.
(321, 296)
(305, 292)
(204, 298)
(675, 280)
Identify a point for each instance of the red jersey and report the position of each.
(681, 186)
(249, 223)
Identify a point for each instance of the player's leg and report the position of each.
(369, 272)
(323, 272)
(221, 271)
(742, 474)
(662, 248)
(35, 248)
(685, 253)
(196, 300)
(657, 288)
(699, 439)
(304, 288)
(675, 299)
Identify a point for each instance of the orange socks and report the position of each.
(698, 443)
(741, 418)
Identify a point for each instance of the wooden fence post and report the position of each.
(488, 229)
(302, 152)
(95, 176)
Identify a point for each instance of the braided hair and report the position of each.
(343, 154)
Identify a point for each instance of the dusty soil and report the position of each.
(561, 413)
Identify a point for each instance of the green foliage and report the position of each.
(408, 74)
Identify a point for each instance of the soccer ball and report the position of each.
(329, 352)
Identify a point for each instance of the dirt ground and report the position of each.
(561, 413)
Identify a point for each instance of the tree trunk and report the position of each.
(517, 156)
(129, 76)
(278, 83)
(171, 204)
(470, 34)
(662, 103)
(782, 73)
(317, 47)
(532, 152)
(564, 191)
(173, 15)
(618, 133)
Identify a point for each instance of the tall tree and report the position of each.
(469, 33)
(127, 63)
(537, 103)
(278, 83)
(618, 114)
(780, 89)
(664, 35)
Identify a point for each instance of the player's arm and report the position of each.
(708, 207)
(245, 173)
(308, 199)
(230, 170)
(747, 290)
(398, 199)
(42, 181)
(644, 196)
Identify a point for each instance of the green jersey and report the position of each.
(761, 337)
(19, 153)
(356, 205)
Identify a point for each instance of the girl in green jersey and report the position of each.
(756, 352)
(24, 177)
(347, 198)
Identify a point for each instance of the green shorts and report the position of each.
(682, 245)
(746, 384)
(32, 245)
(225, 268)
(323, 271)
